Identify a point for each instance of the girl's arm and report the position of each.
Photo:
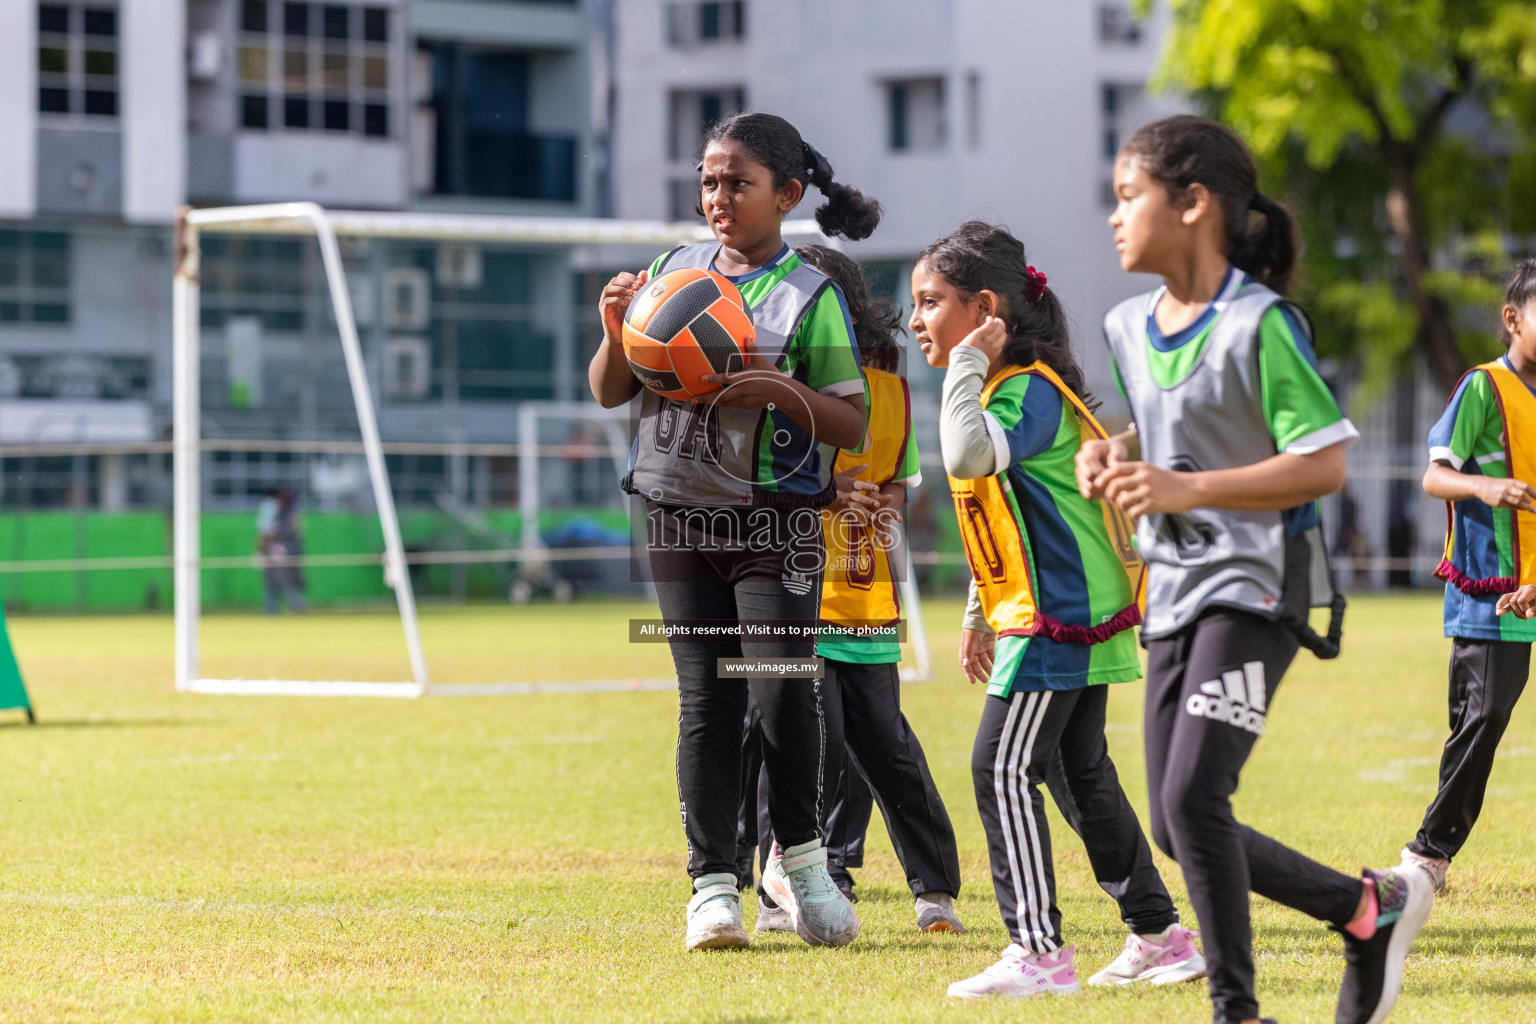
(972, 442)
(835, 420)
(608, 375)
(1279, 482)
(1447, 484)
(978, 641)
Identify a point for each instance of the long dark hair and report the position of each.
(978, 256)
(777, 145)
(1180, 151)
(875, 320)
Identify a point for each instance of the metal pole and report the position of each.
(913, 607)
(528, 473)
(394, 548)
(186, 453)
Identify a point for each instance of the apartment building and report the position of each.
(115, 112)
(1008, 110)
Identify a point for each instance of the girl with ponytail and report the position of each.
(1054, 593)
(733, 486)
(1235, 437)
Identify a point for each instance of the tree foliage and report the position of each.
(1403, 134)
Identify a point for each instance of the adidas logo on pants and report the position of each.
(1237, 698)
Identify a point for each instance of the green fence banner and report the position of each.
(13, 692)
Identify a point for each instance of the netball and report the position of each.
(683, 325)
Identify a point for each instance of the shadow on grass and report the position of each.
(103, 723)
(1452, 940)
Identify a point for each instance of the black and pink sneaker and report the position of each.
(1373, 972)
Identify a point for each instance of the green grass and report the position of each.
(188, 858)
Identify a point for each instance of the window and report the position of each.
(973, 119)
(77, 60)
(1121, 110)
(246, 275)
(690, 24)
(314, 67)
(1118, 26)
(475, 118)
(692, 112)
(683, 198)
(34, 277)
(916, 115)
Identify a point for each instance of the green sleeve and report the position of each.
(1007, 402)
(823, 354)
(1477, 433)
(655, 266)
(1300, 410)
(909, 466)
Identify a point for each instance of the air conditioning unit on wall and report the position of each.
(407, 368)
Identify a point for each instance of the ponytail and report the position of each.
(1266, 250)
(1185, 150)
(847, 211)
(978, 257)
(777, 145)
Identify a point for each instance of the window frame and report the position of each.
(27, 294)
(79, 85)
(898, 97)
(286, 79)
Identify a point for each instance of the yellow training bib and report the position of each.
(999, 550)
(1517, 406)
(859, 586)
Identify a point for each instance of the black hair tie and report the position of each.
(817, 166)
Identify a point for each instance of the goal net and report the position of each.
(369, 299)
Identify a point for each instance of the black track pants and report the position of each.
(1209, 688)
(1487, 678)
(863, 705)
(1057, 737)
(695, 581)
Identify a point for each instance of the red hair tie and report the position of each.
(1036, 284)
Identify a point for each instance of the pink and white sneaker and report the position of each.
(1166, 958)
(1022, 974)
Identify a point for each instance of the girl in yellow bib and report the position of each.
(860, 610)
(1056, 586)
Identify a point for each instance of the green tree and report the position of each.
(1403, 133)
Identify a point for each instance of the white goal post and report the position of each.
(327, 226)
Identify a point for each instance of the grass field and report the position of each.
(186, 858)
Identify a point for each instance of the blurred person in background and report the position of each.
(278, 549)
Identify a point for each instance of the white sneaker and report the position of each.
(1432, 866)
(1022, 974)
(773, 919)
(1166, 958)
(714, 915)
(797, 880)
